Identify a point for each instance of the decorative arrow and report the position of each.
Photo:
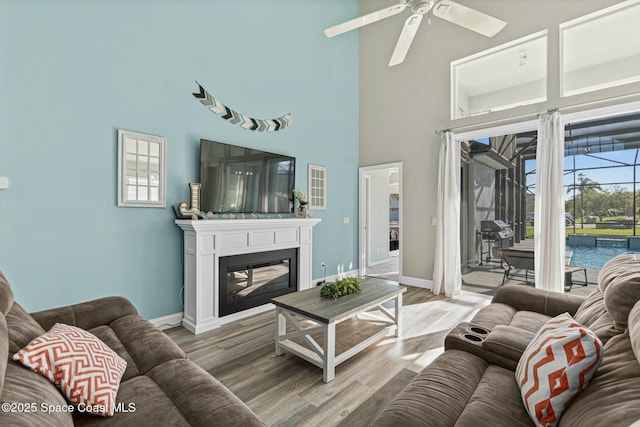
(228, 115)
(246, 122)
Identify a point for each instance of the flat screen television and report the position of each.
(245, 180)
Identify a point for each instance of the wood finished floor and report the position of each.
(288, 391)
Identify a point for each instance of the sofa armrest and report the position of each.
(86, 315)
(538, 300)
(508, 341)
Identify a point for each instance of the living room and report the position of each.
(77, 72)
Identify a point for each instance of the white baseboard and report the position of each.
(169, 321)
(334, 277)
(414, 281)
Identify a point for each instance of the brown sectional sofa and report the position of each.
(473, 382)
(164, 387)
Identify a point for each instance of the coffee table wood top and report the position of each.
(309, 303)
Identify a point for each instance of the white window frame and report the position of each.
(317, 188)
(124, 199)
(540, 35)
(585, 20)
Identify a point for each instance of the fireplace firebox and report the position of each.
(250, 280)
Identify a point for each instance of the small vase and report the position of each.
(302, 211)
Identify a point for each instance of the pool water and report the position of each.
(594, 256)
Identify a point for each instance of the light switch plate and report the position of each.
(4, 182)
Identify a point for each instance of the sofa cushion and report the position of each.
(25, 387)
(86, 315)
(6, 295)
(556, 366)
(634, 330)
(146, 345)
(22, 386)
(86, 370)
(508, 341)
(619, 281)
(109, 337)
(525, 298)
(612, 397)
(458, 389)
(6, 301)
(22, 328)
(196, 386)
(593, 314)
(529, 321)
(176, 393)
(502, 314)
(140, 402)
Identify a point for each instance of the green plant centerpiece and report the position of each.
(341, 287)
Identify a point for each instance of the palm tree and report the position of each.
(583, 185)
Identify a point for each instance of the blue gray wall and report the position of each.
(73, 72)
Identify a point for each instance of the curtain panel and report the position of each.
(549, 226)
(447, 274)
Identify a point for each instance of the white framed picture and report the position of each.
(141, 170)
(317, 191)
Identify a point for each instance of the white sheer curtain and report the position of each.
(549, 225)
(447, 275)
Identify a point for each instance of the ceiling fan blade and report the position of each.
(365, 20)
(406, 37)
(469, 18)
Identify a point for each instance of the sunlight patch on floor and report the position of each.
(425, 358)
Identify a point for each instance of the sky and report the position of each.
(601, 176)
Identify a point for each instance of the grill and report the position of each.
(497, 234)
(498, 231)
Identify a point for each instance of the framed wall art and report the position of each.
(141, 170)
(317, 191)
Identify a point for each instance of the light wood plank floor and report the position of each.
(288, 391)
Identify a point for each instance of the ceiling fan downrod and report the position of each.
(420, 7)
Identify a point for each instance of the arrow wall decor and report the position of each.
(235, 118)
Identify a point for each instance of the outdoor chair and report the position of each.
(515, 259)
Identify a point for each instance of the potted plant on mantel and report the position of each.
(302, 203)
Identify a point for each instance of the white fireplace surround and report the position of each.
(205, 241)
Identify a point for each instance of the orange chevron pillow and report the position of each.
(86, 370)
(557, 365)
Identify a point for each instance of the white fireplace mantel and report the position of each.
(205, 241)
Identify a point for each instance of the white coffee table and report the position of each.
(298, 308)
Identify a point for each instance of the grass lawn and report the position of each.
(596, 231)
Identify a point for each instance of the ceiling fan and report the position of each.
(445, 9)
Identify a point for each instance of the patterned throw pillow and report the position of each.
(86, 370)
(557, 365)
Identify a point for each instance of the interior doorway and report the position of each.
(380, 234)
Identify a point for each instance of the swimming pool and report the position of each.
(594, 256)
